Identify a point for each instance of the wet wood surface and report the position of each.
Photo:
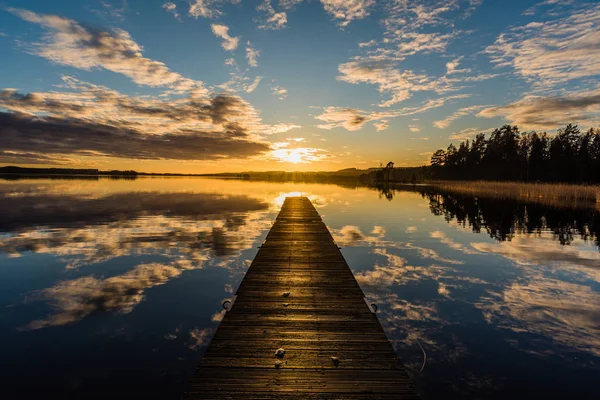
(300, 297)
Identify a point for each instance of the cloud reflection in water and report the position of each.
(183, 229)
(525, 293)
(76, 299)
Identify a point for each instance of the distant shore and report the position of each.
(13, 170)
(543, 192)
(553, 194)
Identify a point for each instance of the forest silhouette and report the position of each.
(510, 155)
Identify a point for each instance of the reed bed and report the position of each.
(553, 194)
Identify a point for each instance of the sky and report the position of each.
(203, 86)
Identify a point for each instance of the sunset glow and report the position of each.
(298, 155)
(212, 86)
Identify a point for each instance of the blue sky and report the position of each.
(216, 85)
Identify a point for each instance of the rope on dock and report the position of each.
(424, 355)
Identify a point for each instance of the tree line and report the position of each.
(509, 155)
(63, 171)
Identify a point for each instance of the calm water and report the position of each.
(115, 287)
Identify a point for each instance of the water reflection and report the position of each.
(22, 210)
(506, 317)
(505, 219)
(75, 299)
(502, 295)
(85, 259)
(87, 231)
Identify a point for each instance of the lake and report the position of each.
(112, 287)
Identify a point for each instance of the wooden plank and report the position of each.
(300, 295)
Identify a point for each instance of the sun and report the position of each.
(294, 156)
(298, 155)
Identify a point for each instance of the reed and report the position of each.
(555, 194)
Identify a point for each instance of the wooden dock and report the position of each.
(300, 297)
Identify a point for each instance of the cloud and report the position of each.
(382, 125)
(420, 26)
(279, 92)
(208, 8)
(404, 36)
(347, 10)
(371, 42)
(378, 230)
(252, 55)
(353, 119)
(535, 8)
(111, 12)
(239, 80)
(564, 313)
(252, 87)
(391, 273)
(351, 235)
(200, 338)
(348, 118)
(452, 67)
(96, 121)
(524, 250)
(79, 298)
(94, 103)
(203, 8)
(79, 138)
(430, 104)
(19, 212)
(432, 254)
(410, 43)
(414, 128)
(70, 43)
(385, 77)
(552, 52)
(451, 243)
(475, 78)
(399, 84)
(444, 123)
(280, 128)
(21, 157)
(84, 231)
(394, 270)
(468, 133)
(289, 4)
(270, 19)
(554, 296)
(410, 16)
(222, 31)
(536, 112)
(299, 155)
(473, 5)
(171, 7)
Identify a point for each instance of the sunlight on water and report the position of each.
(281, 198)
(315, 198)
